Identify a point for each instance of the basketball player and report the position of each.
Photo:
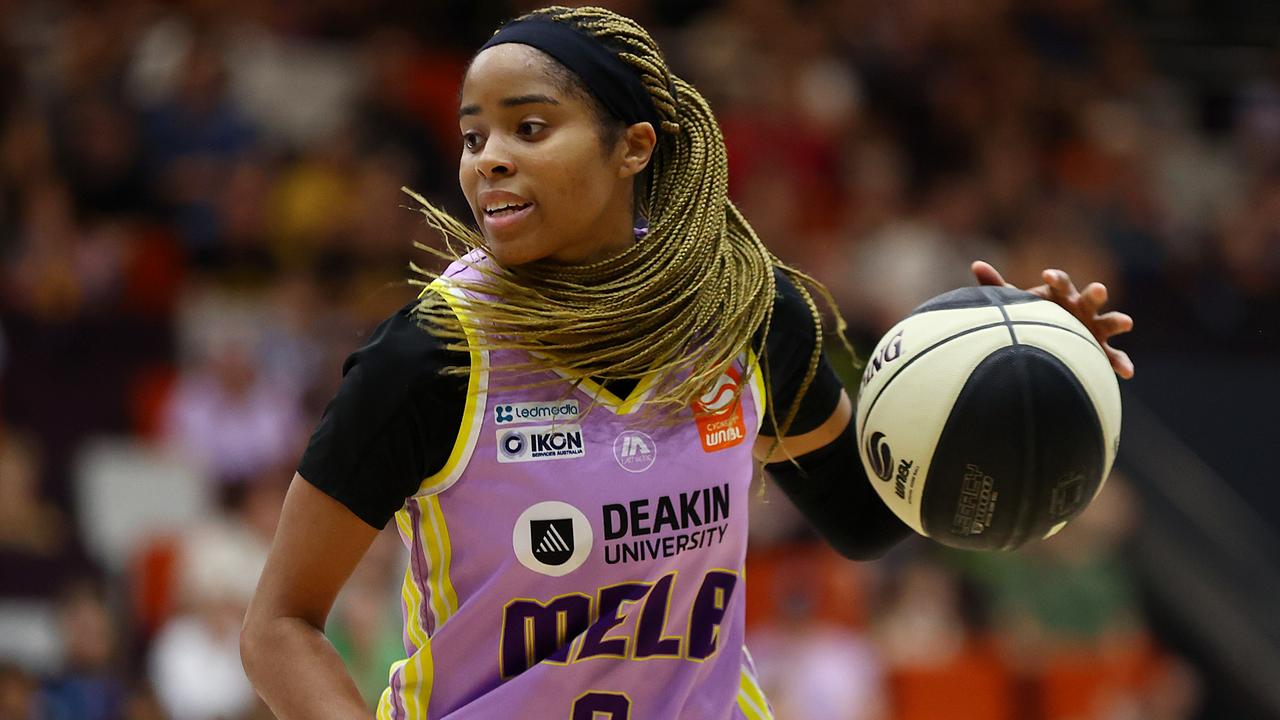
(565, 424)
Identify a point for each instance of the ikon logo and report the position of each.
(543, 442)
(635, 451)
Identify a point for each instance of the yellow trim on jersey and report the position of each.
(751, 698)
(473, 410)
(439, 551)
(418, 671)
(417, 675)
(607, 398)
(756, 386)
(410, 593)
(644, 388)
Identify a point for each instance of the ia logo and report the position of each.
(635, 451)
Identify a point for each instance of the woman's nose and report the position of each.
(494, 161)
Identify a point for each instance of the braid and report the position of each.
(680, 303)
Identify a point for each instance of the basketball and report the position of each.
(987, 418)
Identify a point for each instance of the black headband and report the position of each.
(609, 79)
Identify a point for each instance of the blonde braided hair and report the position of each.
(680, 303)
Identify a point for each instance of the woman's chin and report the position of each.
(513, 251)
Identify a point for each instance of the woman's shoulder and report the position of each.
(401, 350)
(792, 314)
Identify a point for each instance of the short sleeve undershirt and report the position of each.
(396, 415)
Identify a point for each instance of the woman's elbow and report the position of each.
(862, 550)
(258, 638)
(251, 642)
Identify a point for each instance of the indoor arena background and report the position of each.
(200, 216)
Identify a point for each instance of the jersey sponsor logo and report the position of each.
(718, 413)
(514, 413)
(690, 521)
(635, 451)
(552, 538)
(541, 442)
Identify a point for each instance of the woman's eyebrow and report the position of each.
(512, 102)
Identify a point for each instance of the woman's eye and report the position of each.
(470, 140)
(528, 128)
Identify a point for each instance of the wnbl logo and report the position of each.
(552, 540)
(880, 457)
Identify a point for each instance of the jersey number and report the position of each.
(601, 706)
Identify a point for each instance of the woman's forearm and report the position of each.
(297, 671)
(828, 486)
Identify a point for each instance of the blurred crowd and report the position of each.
(201, 216)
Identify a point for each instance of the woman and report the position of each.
(586, 393)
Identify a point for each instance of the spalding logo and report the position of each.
(880, 457)
(891, 351)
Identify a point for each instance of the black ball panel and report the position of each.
(1021, 452)
(972, 297)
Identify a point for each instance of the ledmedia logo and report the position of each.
(540, 442)
(635, 451)
(512, 413)
(552, 538)
(880, 456)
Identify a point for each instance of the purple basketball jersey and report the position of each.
(574, 561)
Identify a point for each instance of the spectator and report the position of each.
(35, 535)
(194, 137)
(89, 686)
(19, 696)
(195, 662)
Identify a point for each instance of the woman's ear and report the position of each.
(638, 143)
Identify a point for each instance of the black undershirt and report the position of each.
(395, 417)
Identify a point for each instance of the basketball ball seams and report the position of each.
(1044, 406)
(1028, 453)
(1005, 313)
(976, 297)
(1037, 323)
(1030, 460)
(890, 377)
(894, 375)
(998, 440)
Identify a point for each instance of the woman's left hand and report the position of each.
(1084, 305)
